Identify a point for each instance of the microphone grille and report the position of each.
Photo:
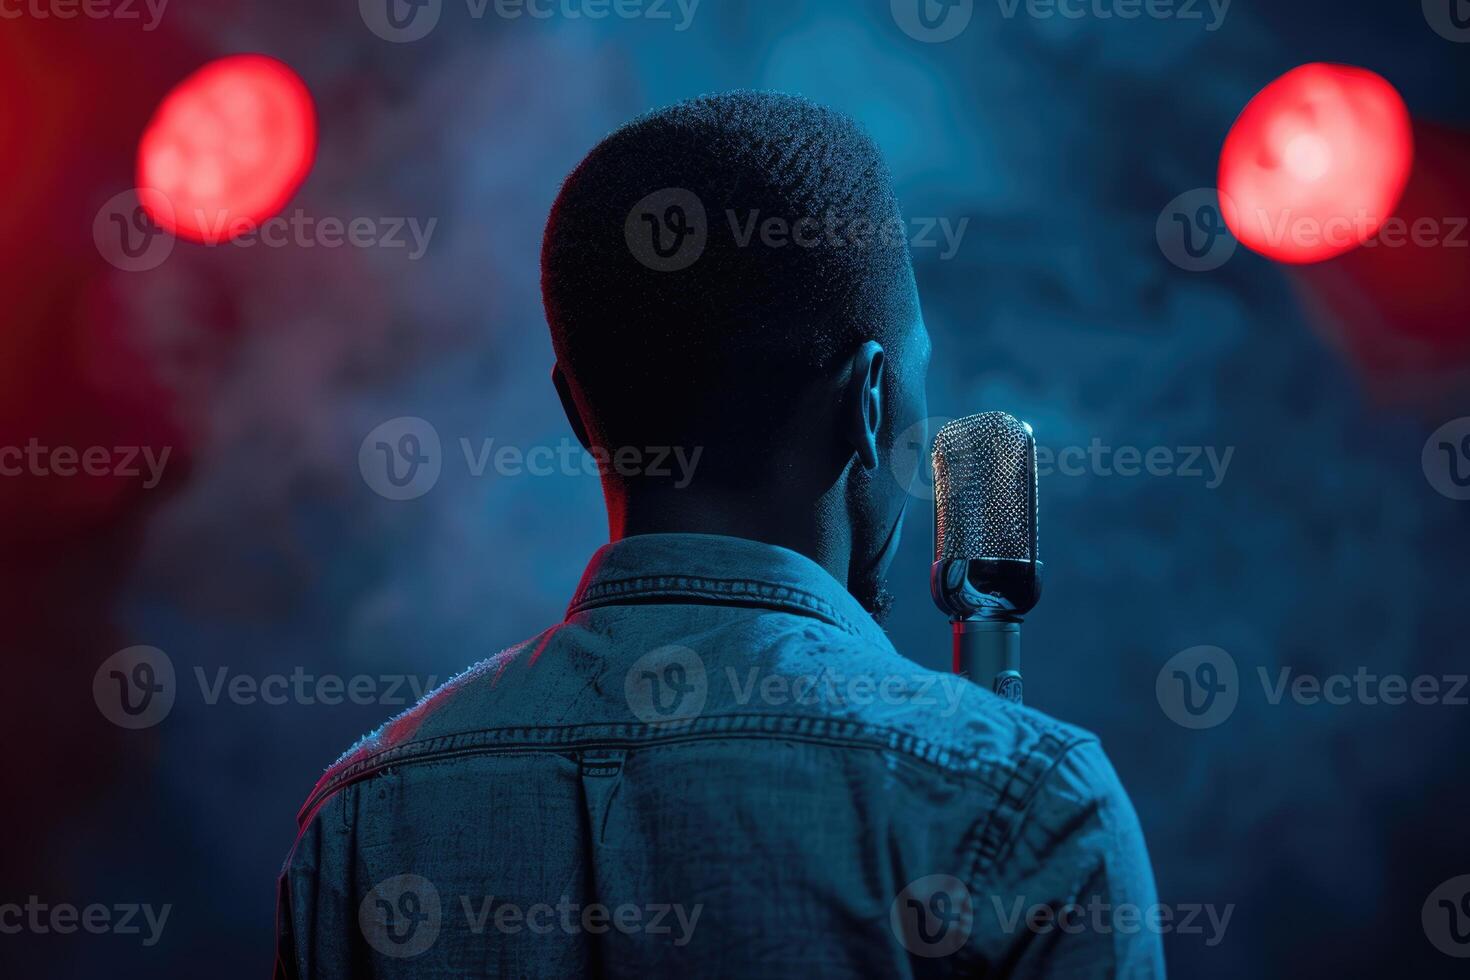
(985, 489)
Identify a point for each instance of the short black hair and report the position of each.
(780, 248)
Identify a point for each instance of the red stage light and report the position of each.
(228, 146)
(1316, 163)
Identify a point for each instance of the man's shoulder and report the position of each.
(440, 714)
(970, 727)
(793, 674)
(1039, 779)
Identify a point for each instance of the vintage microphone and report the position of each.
(986, 575)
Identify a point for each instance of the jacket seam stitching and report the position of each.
(1004, 822)
(779, 596)
(816, 730)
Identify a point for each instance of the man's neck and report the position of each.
(816, 528)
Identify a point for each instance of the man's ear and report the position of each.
(569, 406)
(863, 406)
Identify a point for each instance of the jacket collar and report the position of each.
(715, 569)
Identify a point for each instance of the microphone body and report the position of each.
(989, 648)
(986, 576)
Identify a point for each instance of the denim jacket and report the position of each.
(716, 765)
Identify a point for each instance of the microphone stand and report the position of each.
(988, 651)
(986, 599)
